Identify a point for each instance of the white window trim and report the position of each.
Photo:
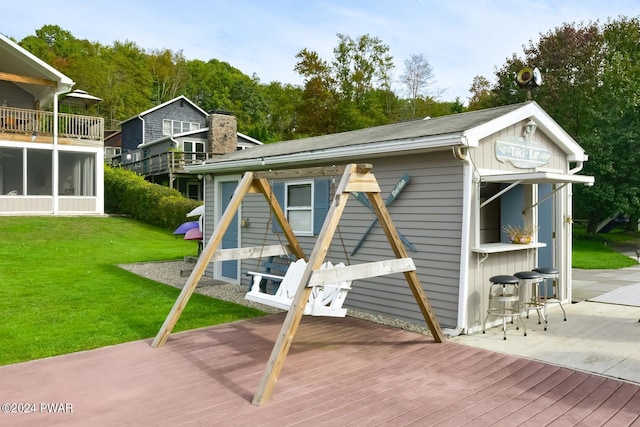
(183, 124)
(310, 208)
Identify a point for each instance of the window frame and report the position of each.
(306, 208)
(185, 126)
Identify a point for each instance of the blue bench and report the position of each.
(272, 272)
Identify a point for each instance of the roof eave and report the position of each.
(387, 148)
(546, 124)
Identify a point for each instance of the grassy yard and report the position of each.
(603, 251)
(62, 291)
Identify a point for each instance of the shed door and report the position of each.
(228, 270)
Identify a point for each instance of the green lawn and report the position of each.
(62, 291)
(591, 255)
(598, 251)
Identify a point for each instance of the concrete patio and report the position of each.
(597, 337)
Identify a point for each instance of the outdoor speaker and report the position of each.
(524, 77)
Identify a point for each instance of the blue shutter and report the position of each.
(278, 191)
(321, 204)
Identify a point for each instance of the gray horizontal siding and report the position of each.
(428, 213)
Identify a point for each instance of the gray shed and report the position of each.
(452, 185)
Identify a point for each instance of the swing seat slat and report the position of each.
(325, 300)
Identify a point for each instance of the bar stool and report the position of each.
(504, 301)
(550, 273)
(532, 301)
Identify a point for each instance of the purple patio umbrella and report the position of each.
(184, 227)
(193, 234)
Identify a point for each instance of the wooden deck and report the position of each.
(339, 372)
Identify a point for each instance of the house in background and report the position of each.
(112, 145)
(51, 163)
(452, 185)
(160, 142)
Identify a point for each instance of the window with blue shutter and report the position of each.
(304, 202)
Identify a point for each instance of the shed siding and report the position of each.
(428, 213)
(484, 155)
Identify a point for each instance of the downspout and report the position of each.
(567, 232)
(461, 153)
(577, 169)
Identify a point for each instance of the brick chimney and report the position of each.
(223, 132)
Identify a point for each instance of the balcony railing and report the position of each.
(40, 123)
(168, 162)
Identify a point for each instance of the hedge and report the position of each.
(127, 193)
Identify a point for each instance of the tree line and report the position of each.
(590, 87)
(350, 91)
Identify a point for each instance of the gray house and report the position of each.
(160, 142)
(452, 185)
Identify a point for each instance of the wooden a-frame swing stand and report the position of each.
(355, 178)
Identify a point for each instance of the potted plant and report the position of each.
(520, 234)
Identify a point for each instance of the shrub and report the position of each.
(126, 192)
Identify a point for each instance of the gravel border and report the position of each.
(175, 273)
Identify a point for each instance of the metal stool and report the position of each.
(532, 301)
(504, 301)
(550, 273)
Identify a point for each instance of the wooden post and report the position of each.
(412, 278)
(205, 257)
(294, 316)
(263, 186)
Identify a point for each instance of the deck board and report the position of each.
(343, 371)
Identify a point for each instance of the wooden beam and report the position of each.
(15, 78)
(310, 172)
(294, 315)
(253, 252)
(361, 271)
(412, 278)
(363, 183)
(205, 257)
(280, 217)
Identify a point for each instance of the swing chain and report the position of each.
(332, 194)
(268, 225)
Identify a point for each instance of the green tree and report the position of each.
(481, 96)
(284, 102)
(169, 74)
(590, 87)
(345, 94)
(317, 114)
(127, 88)
(615, 133)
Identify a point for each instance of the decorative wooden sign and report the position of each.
(522, 152)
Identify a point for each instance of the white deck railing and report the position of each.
(19, 120)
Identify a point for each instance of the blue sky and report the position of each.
(461, 39)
